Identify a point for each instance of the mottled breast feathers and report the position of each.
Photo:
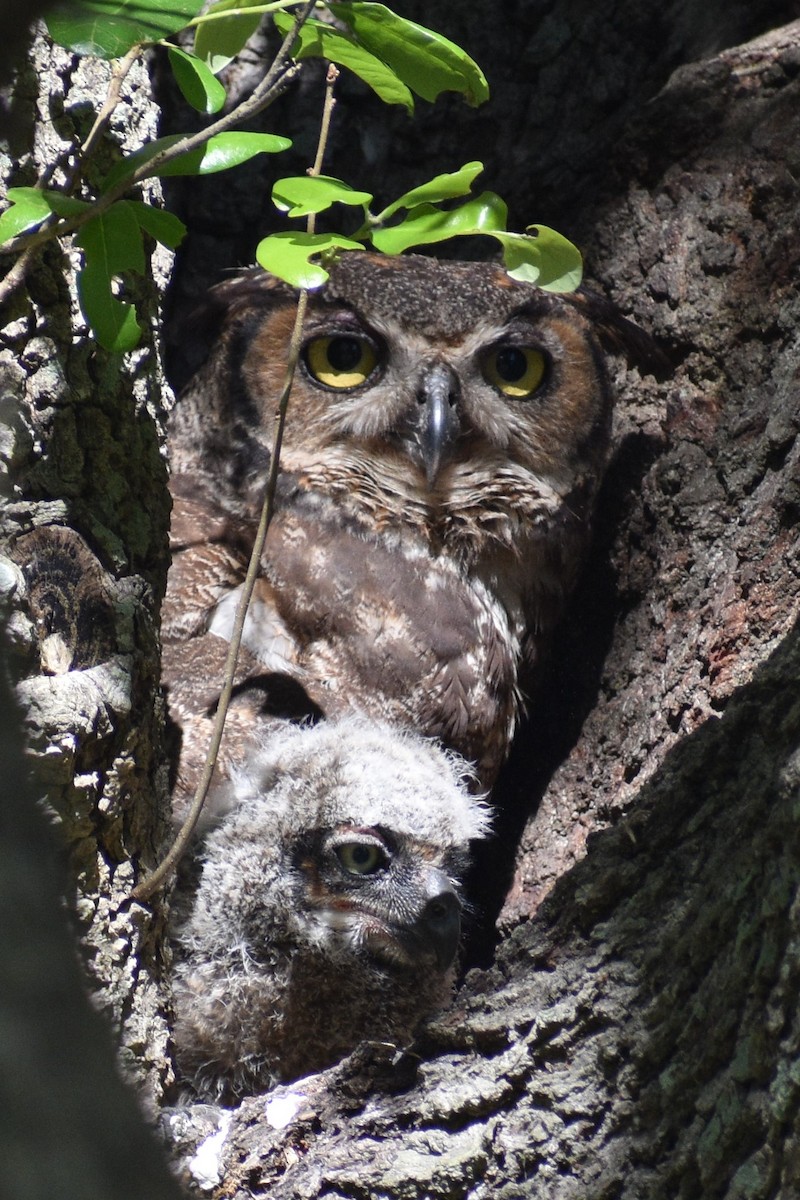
(446, 434)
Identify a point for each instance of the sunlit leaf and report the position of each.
(109, 28)
(426, 224)
(288, 255)
(164, 226)
(316, 40)
(199, 86)
(113, 239)
(219, 41)
(427, 62)
(112, 246)
(545, 258)
(441, 187)
(112, 321)
(300, 195)
(542, 256)
(30, 206)
(220, 152)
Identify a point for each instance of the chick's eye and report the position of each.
(340, 361)
(361, 858)
(516, 371)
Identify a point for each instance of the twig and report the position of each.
(252, 10)
(16, 275)
(145, 889)
(148, 886)
(118, 76)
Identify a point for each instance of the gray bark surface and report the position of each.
(84, 523)
(702, 245)
(70, 1127)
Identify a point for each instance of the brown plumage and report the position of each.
(447, 432)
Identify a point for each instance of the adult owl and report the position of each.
(447, 431)
(328, 909)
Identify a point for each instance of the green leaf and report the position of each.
(112, 244)
(199, 86)
(288, 255)
(30, 206)
(441, 187)
(113, 238)
(109, 28)
(219, 41)
(426, 224)
(427, 62)
(28, 209)
(316, 40)
(542, 256)
(300, 195)
(545, 258)
(164, 226)
(112, 321)
(220, 152)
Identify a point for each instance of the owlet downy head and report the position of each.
(329, 907)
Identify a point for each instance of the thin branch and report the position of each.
(16, 276)
(324, 131)
(148, 886)
(263, 96)
(121, 69)
(144, 890)
(118, 76)
(254, 10)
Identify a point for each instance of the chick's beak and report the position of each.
(437, 929)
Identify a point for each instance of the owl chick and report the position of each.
(328, 909)
(447, 432)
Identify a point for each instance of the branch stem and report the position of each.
(144, 890)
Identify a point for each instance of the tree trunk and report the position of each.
(84, 527)
(634, 1033)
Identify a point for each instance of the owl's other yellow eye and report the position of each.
(361, 858)
(516, 371)
(341, 361)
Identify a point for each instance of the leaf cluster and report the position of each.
(397, 58)
(420, 217)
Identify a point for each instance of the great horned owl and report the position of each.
(447, 432)
(328, 910)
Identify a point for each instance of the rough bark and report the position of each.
(70, 1128)
(703, 244)
(635, 1032)
(84, 522)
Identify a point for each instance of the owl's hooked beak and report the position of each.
(437, 929)
(438, 422)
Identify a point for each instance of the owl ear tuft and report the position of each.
(242, 296)
(621, 336)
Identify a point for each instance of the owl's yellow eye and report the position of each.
(516, 371)
(341, 361)
(361, 858)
